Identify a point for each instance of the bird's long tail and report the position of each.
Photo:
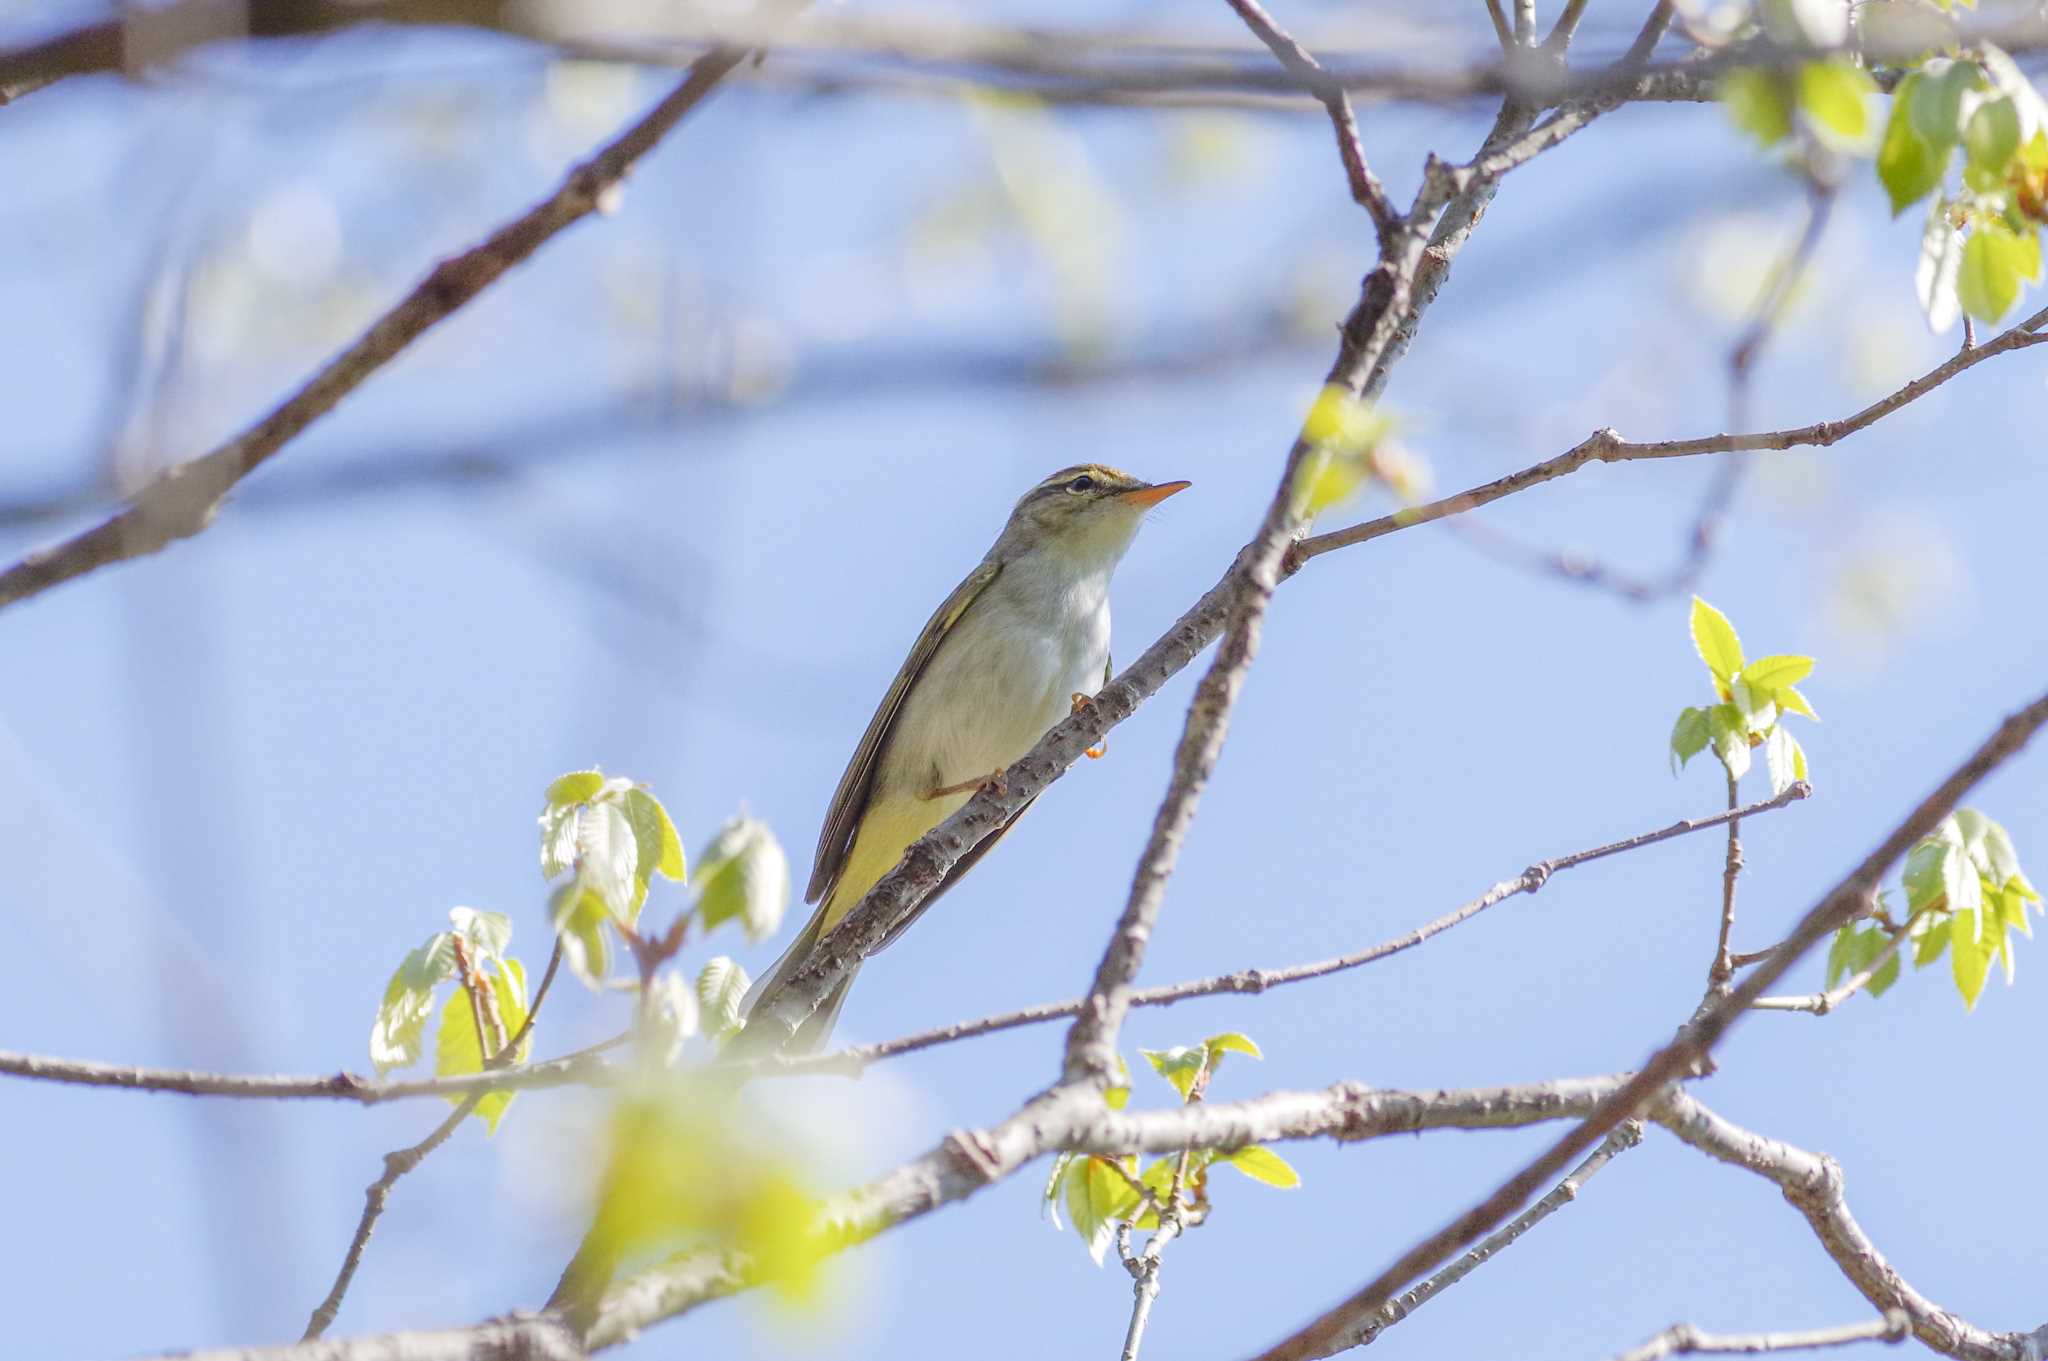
(810, 1037)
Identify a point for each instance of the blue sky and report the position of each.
(248, 774)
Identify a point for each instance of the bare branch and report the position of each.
(1626, 1136)
(183, 501)
(1695, 1041)
(582, 1068)
(396, 1165)
(1366, 189)
(852, 1061)
(1682, 1338)
(1605, 446)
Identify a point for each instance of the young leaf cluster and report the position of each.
(1982, 239)
(1965, 895)
(1102, 1193)
(478, 1016)
(1754, 697)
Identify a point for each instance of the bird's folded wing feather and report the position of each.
(850, 799)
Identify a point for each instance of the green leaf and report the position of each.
(1934, 101)
(1776, 672)
(661, 850)
(1262, 1164)
(1096, 1199)
(1731, 739)
(1834, 96)
(1839, 954)
(408, 1001)
(455, 1047)
(1799, 771)
(1930, 940)
(1969, 957)
(485, 933)
(1887, 974)
(1989, 141)
(1117, 1095)
(1792, 702)
(1938, 268)
(743, 876)
(1758, 710)
(1714, 638)
(1181, 1065)
(578, 786)
(1908, 166)
(557, 840)
(1688, 737)
(1782, 760)
(579, 916)
(1049, 1199)
(609, 859)
(721, 997)
(1229, 1042)
(1996, 260)
(1758, 103)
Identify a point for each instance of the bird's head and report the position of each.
(1086, 514)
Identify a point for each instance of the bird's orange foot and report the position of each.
(1100, 749)
(992, 780)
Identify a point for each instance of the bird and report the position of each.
(1021, 643)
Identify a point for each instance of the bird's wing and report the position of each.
(850, 799)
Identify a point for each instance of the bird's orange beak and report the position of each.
(1152, 496)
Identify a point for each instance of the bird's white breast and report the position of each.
(1006, 673)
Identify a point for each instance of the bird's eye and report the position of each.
(1081, 484)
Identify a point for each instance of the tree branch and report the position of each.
(1721, 970)
(1821, 1003)
(1682, 1338)
(1626, 1136)
(183, 501)
(396, 1165)
(1695, 1041)
(1605, 446)
(851, 1061)
(1366, 189)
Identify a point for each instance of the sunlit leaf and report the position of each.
(609, 859)
(1996, 261)
(743, 876)
(456, 1053)
(660, 848)
(1834, 96)
(1730, 736)
(578, 786)
(485, 933)
(1776, 672)
(580, 919)
(1714, 638)
(408, 1001)
(1181, 1065)
(1780, 759)
(721, 994)
(1969, 957)
(1262, 1164)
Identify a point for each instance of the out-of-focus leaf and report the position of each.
(579, 786)
(1834, 96)
(579, 918)
(1759, 103)
(721, 993)
(743, 876)
(1909, 167)
(485, 933)
(675, 1014)
(609, 859)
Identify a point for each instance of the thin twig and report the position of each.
(1626, 1135)
(1694, 1042)
(1605, 446)
(1722, 969)
(1682, 1338)
(1567, 24)
(851, 1061)
(1366, 189)
(1821, 1003)
(183, 501)
(396, 1165)
(1502, 31)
